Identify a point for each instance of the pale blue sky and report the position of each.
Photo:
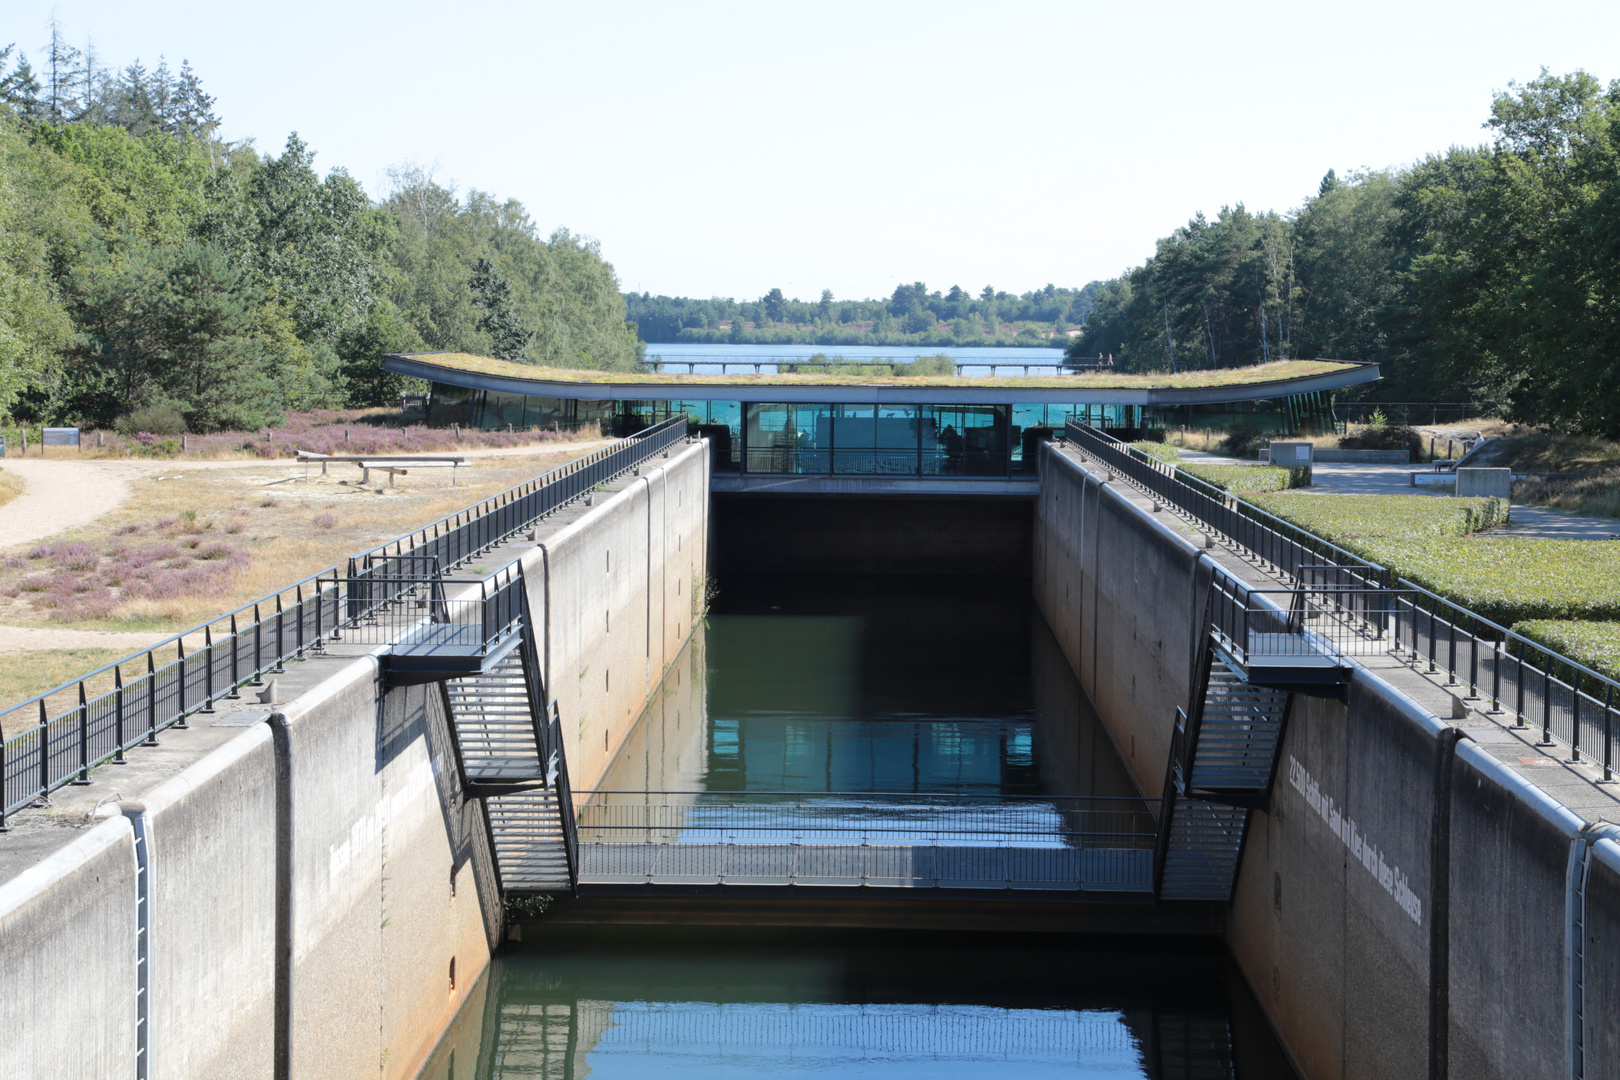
(722, 148)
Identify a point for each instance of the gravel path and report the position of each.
(62, 495)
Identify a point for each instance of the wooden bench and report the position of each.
(388, 463)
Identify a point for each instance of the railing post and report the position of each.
(1546, 706)
(208, 668)
(281, 650)
(236, 671)
(1608, 736)
(1575, 718)
(118, 713)
(299, 604)
(44, 749)
(183, 710)
(151, 701)
(1518, 689)
(84, 737)
(319, 648)
(1496, 678)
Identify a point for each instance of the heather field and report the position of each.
(321, 431)
(189, 545)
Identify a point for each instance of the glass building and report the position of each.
(783, 426)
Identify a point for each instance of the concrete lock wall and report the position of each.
(1602, 969)
(1476, 481)
(1400, 907)
(68, 936)
(321, 895)
(1118, 592)
(618, 593)
(1331, 917)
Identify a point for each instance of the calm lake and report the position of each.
(980, 359)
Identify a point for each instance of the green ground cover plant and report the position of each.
(1162, 450)
(1430, 542)
(1595, 644)
(1246, 480)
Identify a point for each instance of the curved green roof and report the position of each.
(1113, 388)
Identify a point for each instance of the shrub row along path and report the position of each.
(1347, 478)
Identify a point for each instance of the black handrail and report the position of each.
(54, 751)
(1570, 702)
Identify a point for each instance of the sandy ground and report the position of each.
(63, 494)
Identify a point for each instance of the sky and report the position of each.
(724, 148)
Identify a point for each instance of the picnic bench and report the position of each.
(388, 463)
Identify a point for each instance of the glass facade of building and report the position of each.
(806, 439)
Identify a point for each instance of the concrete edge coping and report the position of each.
(199, 773)
(31, 884)
(1607, 852)
(1187, 546)
(1550, 810)
(365, 666)
(1396, 698)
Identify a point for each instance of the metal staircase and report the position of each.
(508, 744)
(1222, 759)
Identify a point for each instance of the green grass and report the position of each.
(1595, 644)
(1429, 541)
(1160, 450)
(1247, 480)
(1261, 374)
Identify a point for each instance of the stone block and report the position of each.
(1497, 483)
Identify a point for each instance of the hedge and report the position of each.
(1245, 480)
(1427, 541)
(1160, 450)
(1595, 644)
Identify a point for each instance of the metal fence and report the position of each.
(1286, 547)
(460, 537)
(1510, 675)
(161, 687)
(859, 839)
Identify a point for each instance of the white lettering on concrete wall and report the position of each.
(365, 832)
(1362, 850)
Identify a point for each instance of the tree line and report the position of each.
(1487, 273)
(912, 315)
(144, 262)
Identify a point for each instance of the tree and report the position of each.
(509, 337)
(176, 325)
(773, 301)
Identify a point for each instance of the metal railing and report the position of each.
(788, 365)
(862, 839)
(382, 610)
(463, 536)
(1571, 704)
(161, 687)
(1281, 544)
(768, 817)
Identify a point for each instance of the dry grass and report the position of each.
(11, 486)
(1261, 374)
(1593, 496)
(211, 540)
(323, 431)
(22, 675)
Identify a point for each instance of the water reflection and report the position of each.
(856, 1006)
(838, 684)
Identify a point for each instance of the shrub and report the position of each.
(160, 419)
(1162, 450)
(1242, 441)
(1428, 541)
(1244, 480)
(326, 521)
(1381, 437)
(75, 557)
(1595, 644)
